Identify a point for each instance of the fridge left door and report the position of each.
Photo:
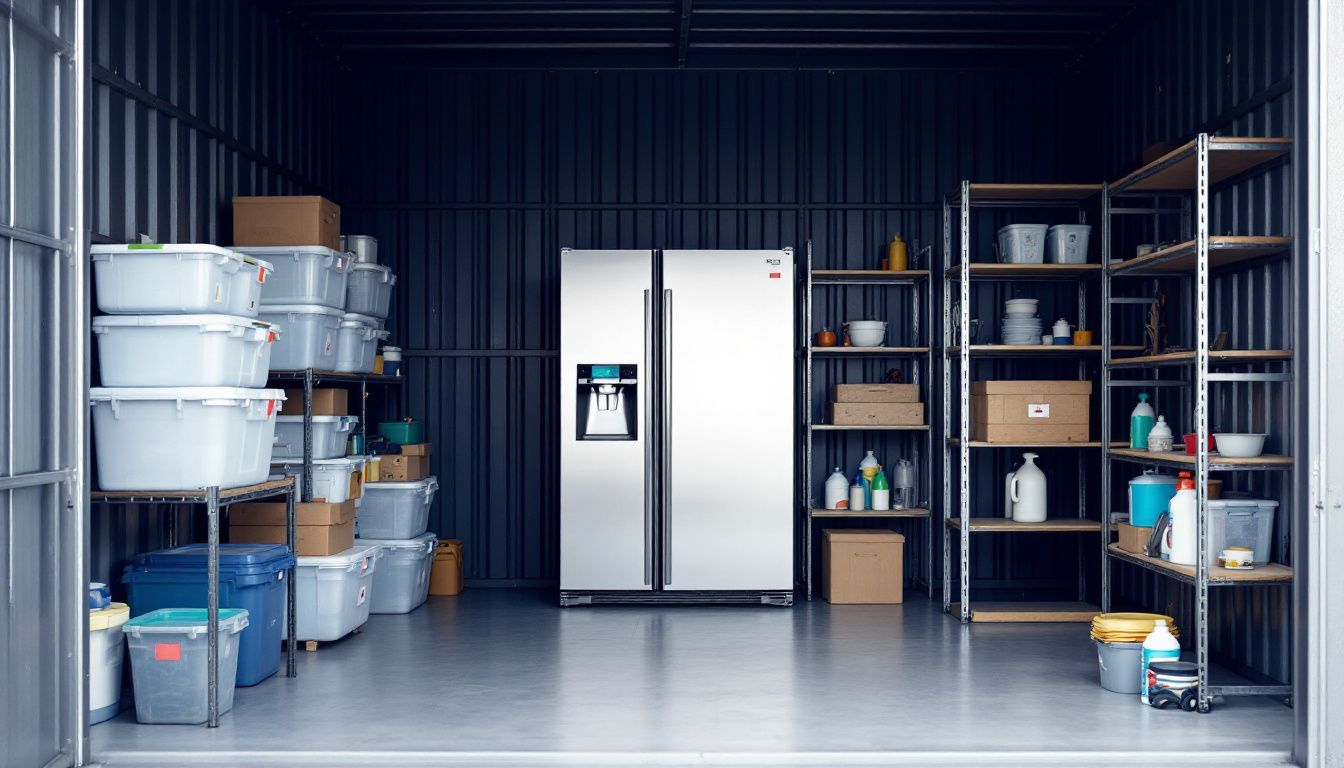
(606, 389)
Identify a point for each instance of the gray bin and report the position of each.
(357, 345)
(1121, 666)
(170, 663)
(309, 338)
(330, 434)
(304, 274)
(401, 583)
(369, 290)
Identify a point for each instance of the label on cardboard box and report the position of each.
(1038, 410)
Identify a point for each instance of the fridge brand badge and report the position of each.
(1038, 410)
(774, 263)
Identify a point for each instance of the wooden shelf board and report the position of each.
(870, 428)
(875, 351)
(1038, 349)
(1270, 573)
(822, 275)
(1223, 357)
(994, 269)
(984, 444)
(1224, 163)
(1182, 459)
(1224, 251)
(1005, 525)
(1010, 613)
(869, 513)
(1072, 193)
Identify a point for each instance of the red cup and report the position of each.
(1190, 444)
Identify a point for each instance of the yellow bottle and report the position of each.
(897, 260)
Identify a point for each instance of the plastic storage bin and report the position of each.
(1242, 523)
(106, 649)
(1120, 664)
(378, 323)
(251, 577)
(170, 663)
(183, 350)
(1067, 243)
(152, 278)
(1022, 243)
(402, 582)
(310, 333)
(304, 274)
(173, 438)
(395, 510)
(331, 477)
(332, 593)
(402, 432)
(369, 289)
(357, 345)
(364, 248)
(329, 436)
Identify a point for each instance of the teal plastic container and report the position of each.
(1141, 421)
(402, 432)
(170, 663)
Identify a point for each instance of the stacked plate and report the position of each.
(1128, 627)
(1021, 325)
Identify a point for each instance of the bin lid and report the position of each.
(103, 321)
(288, 250)
(365, 319)
(299, 309)
(202, 250)
(425, 541)
(114, 615)
(412, 485)
(105, 394)
(345, 462)
(1237, 503)
(361, 550)
(235, 557)
(176, 620)
(317, 420)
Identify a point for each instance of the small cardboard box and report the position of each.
(320, 528)
(862, 566)
(415, 449)
(877, 414)
(876, 393)
(1031, 411)
(286, 220)
(403, 468)
(1133, 538)
(445, 575)
(326, 402)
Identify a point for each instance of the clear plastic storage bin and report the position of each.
(170, 663)
(402, 582)
(194, 279)
(1242, 523)
(331, 477)
(396, 510)
(183, 350)
(369, 289)
(357, 344)
(330, 434)
(310, 334)
(1022, 243)
(1067, 243)
(332, 593)
(304, 274)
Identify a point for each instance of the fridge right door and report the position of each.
(728, 415)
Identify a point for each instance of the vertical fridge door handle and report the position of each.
(667, 437)
(649, 466)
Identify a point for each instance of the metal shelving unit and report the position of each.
(960, 274)
(1191, 173)
(921, 358)
(216, 500)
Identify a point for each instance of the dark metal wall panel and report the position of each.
(473, 181)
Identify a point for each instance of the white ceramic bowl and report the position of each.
(1239, 445)
(867, 337)
(1021, 305)
(866, 325)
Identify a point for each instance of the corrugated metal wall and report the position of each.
(473, 181)
(1223, 66)
(194, 103)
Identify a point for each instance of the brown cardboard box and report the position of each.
(1133, 538)
(445, 575)
(876, 393)
(321, 528)
(326, 402)
(286, 220)
(877, 414)
(1031, 411)
(403, 468)
(862, 566)
(416, 449)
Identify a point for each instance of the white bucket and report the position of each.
(304, 274)
(369, 290)
(1022, 243)
(106, 649)
(1067, 243)
(332, 593)
(330, 434)
(183, 350)
(402, 581)
(310, 336)
(155, 278)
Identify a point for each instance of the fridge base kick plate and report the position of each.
(783, 598)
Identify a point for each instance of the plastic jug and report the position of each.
(837, 491)
(904, 483)
(1160, 438)
(1182, 539)
(1149, 496)
(857, 495)
(1159, 645)
(1141, 423)
(881, 492)
(897, 254)
(868, 468)
(1027, 490)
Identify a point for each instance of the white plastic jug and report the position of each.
(1027, 490)
(1008, 494)
(837, 491)
(1181, 537)
(1160, 645)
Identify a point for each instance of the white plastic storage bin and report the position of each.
(357, 345)
(309, 339)
(331, 477)
(183, 350)
(1067, 243)
(175, 438)
(402, 581)
(145, 279)
(1242, 523)
(377, 323)
(106, 649)
(332, 593)
(395, 510)
(369, 290)
(304, 274)
(1022, 243)
(330, 434)
(170, 663)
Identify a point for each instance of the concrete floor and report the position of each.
(505, 678)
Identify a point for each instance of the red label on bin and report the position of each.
(167, 651)
(270, 408)
(261, 274)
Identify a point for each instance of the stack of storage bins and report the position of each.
(368, 300)
(183, 362)
(395, 517)
(307, 299)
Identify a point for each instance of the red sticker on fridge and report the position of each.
(774, 274)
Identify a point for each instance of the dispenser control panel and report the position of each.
(607, 401)
(608, 373)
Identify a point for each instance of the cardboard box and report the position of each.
(1031, 411)
(1133, 538)
(862, 566)
(321, 528)
(876, 393)
(403, 468)
(286, 220)
(877, 414)
(416, 449)
(445, 575)
(326, 402)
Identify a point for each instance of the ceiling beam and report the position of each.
(683, 33)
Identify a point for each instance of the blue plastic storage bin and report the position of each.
(251, 576)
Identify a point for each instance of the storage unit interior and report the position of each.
(475, 140)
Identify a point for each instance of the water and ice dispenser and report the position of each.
(607, 401)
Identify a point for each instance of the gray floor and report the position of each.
(503, 677)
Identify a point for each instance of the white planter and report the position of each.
(183, 350)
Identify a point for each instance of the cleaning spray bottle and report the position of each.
(881, 492)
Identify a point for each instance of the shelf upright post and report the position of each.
(928, 434)
(1105, 331)
(807, 421)
(308, 434)
(363, 413)
(212, 605)
(1202, 414)
(947, 409)
(964, 347)
(291, 625)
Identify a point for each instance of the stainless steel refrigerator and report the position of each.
(677, 426)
